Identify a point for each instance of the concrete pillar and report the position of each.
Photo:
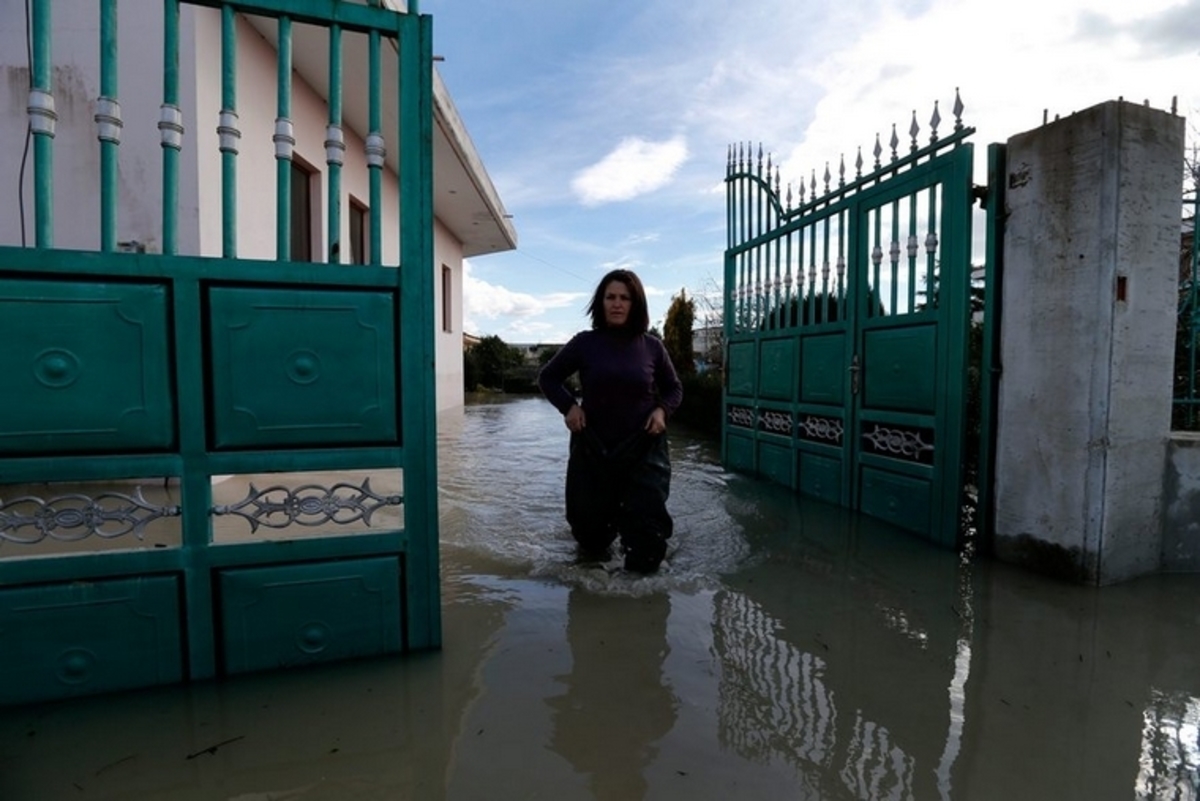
(1181, 514)
(1091, 260)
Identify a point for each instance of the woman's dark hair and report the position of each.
(638, 321)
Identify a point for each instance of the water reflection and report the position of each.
(616, 705)
(1170, 763)
(838, 660)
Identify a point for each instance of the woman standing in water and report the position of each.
(619, 470)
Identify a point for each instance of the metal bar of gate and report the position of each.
(42, 119)
(283, 141)
(108, 116)
(375, 149)
(170, 126)
(335, 145)
(229, 133)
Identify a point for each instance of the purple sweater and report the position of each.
(623, 379)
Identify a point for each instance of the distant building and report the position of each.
(533, 352)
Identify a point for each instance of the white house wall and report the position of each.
(75, 52)
(449, 365)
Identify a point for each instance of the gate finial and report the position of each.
(933, 123)
(913, 130)
(958, 110)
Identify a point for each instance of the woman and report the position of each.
(619, 471)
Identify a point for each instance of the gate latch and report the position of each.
(854, 371)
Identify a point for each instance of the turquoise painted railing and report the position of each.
(124, 365)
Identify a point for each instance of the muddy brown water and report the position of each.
(787, 650)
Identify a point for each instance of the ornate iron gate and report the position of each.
(124, 365)
(846, 322)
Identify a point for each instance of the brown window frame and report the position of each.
(305, 187)
(360, 227)
(447, 300)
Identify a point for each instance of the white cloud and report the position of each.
(634, 168)
(621, 263)
(640, 239)
(482, 300)
(523, 331)
(1025, 58)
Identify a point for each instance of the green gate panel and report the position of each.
(777, 368)
(823, 369)
(296, 367)
(899, 369)
(903, 501)
(741, 368)
(64, 640)
(820, 476)
(775, 462)
(291, 615)
(739, 452)
(86, 367)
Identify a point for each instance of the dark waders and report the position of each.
(620, 492)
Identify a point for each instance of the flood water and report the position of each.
(787, 649)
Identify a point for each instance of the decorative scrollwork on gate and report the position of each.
(74, 517)
(775, 422)
(309, 505)
(901, 442)
(741, 416)
(828, 430)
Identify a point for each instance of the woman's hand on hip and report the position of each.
(656, 423)
(575, 419)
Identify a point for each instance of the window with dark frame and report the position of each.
(359, 226)
(447, 300)
(302, 210)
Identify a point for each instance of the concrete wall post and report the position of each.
(1091, 257)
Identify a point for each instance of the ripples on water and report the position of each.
(502, 467)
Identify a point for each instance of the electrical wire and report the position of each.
(28, 127)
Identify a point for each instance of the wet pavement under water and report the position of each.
(787, 649)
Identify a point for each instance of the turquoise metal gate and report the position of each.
(846, 321)
(269, 380)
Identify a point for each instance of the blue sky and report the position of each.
(605, 125)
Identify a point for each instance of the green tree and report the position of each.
(487, 364)
(677, 333)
